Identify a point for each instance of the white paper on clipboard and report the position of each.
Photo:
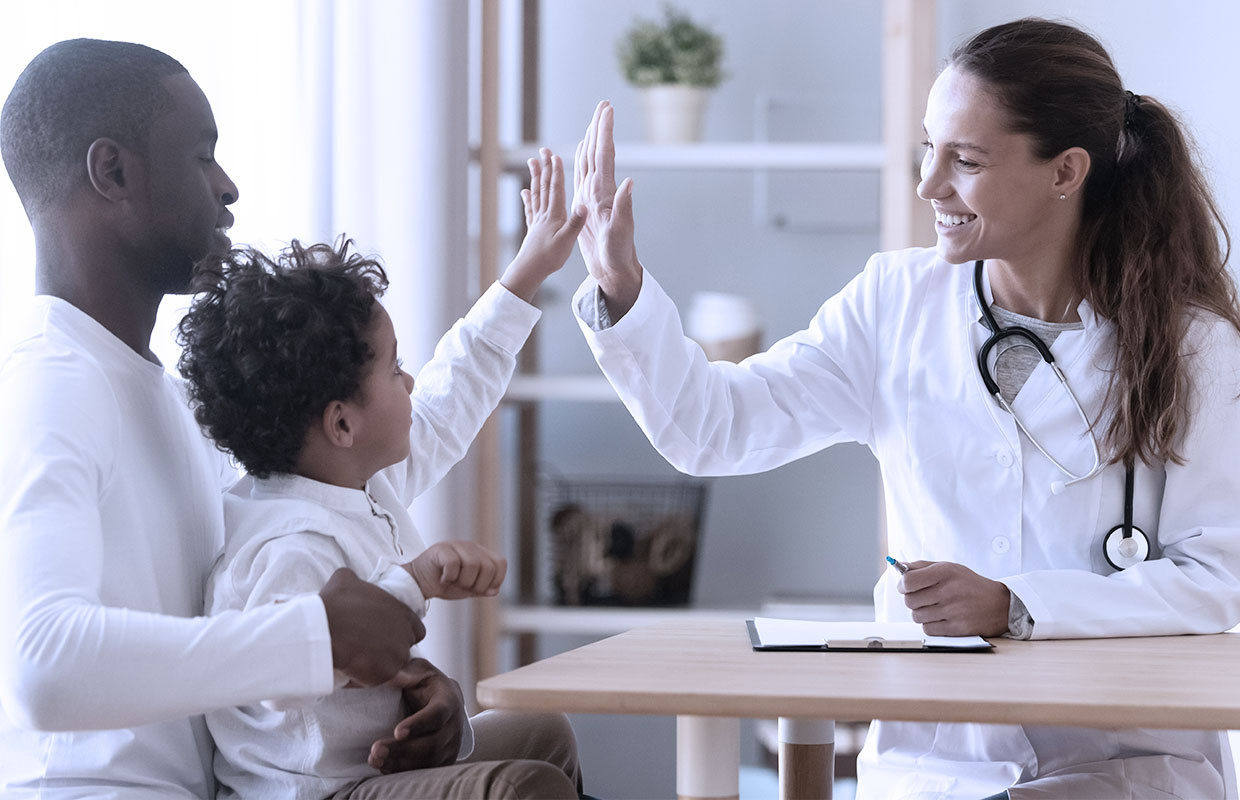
(791, 634)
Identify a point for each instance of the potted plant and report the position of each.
(674, 64)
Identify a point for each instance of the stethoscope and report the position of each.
(1125, 544)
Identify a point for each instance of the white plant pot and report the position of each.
(673, 112)
(725, 325)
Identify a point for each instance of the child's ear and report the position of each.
(338, 424)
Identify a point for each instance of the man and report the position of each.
(110, 509)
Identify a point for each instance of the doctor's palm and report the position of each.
(606, 241)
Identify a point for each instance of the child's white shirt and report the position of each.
(286, 535)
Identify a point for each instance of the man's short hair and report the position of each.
(71, 94)
(269, 343)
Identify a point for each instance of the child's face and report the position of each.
(383, 403)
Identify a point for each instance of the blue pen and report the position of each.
(901, 568)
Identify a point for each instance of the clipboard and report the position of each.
(767, 633)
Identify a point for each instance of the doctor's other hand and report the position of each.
(606, 242)
(371, 631)
(431, 735)
(454, 570)
(550, 230)
(952, 600)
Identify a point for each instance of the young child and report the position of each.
(293, 368)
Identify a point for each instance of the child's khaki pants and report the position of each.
(517, 756)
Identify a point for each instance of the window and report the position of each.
(231, 47)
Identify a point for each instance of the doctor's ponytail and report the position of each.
(1152, 247)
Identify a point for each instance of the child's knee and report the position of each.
(532, 780)
(552, 729)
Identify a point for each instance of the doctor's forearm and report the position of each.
(618, 296)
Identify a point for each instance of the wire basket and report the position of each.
(625, 543)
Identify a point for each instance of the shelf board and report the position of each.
(537, 388)
(610, 620)
(826, 156)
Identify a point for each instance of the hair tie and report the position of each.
(1131, 101)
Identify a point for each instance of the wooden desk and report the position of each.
(707, 675)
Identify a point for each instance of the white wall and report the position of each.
(253, 144)
(1181, 53)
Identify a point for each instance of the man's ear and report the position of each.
(338, 424)
(1071, 170)
(107, 166)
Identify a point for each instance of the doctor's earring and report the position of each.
(1063, 197)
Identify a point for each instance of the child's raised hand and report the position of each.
(550, 230)
(453, 570)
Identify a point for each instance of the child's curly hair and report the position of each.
(269, 343)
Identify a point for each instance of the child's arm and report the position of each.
(454, 570)
(456, 391)
(550, 231)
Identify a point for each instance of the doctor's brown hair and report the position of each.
(1153, 247)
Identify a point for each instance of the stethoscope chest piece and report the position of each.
(1121, 551)
(1126, 545)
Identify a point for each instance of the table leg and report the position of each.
(708, 758)
(806, 758)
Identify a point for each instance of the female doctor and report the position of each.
(1072, 227)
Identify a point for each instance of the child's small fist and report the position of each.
(454, 570)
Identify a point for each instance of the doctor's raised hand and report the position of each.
(606, 241)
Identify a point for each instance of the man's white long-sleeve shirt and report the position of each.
(110, 518)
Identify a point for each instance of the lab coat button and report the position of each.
(1000, 544)
(1004, 458)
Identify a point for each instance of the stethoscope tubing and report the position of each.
(1132, 546)
(997, 335)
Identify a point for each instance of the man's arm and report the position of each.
(436, 733)
(371, 630)
(71, 660)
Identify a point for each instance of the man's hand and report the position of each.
(952, 600)
(550, 231)
(371, 630)
(453, 570)
(606, 242)
(431, 735)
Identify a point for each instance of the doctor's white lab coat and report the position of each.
(890, 362)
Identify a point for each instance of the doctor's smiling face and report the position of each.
(992, 197)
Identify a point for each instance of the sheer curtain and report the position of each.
(334, 118)
(389, 145)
